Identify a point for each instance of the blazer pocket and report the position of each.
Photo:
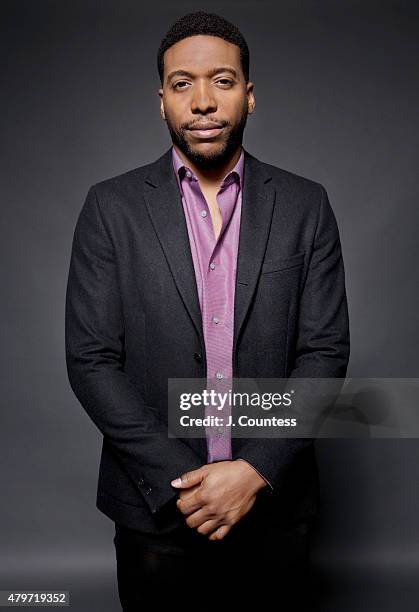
(282, 263)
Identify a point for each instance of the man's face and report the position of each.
(204, 84)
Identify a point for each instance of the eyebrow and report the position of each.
(209, 73)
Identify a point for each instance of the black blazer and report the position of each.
(133, 320)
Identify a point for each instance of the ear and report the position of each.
(251, 103)
(160, 92)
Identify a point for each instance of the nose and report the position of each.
(202, 100)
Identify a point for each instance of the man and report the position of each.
(204, 263)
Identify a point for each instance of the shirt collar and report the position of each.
(181, 169)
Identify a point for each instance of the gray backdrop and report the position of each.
(336, 87)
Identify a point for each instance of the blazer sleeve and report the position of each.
(94, 342)
(322, 343)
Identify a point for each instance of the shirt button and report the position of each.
(220, 430)
(219, 375)
(216, 319)
(203, 213)
(212, 265)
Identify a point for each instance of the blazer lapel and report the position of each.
(165, 207)
(258, 200)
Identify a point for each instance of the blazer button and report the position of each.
(147, 491)
(141, 481)
(198, 357)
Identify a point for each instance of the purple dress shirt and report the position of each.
(215, 262)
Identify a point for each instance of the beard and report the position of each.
(231, 139)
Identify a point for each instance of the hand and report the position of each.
(217, 496)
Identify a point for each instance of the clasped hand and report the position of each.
(217, 495)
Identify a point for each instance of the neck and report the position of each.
(211, 177)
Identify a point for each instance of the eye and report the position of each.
(224, 82)
(175, 86)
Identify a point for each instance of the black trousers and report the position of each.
(252, 565)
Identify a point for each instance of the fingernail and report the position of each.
(176, 483)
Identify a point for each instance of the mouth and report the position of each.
(206, 133)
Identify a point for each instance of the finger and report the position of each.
(196, 519)
(188, 505)
(208, 527)
(188, 493)
(189, 500)
(220, 533)
(189, 479)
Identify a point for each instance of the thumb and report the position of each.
(189, 479)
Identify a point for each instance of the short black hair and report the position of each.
(210, 24)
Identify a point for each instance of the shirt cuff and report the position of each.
(270, 487)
